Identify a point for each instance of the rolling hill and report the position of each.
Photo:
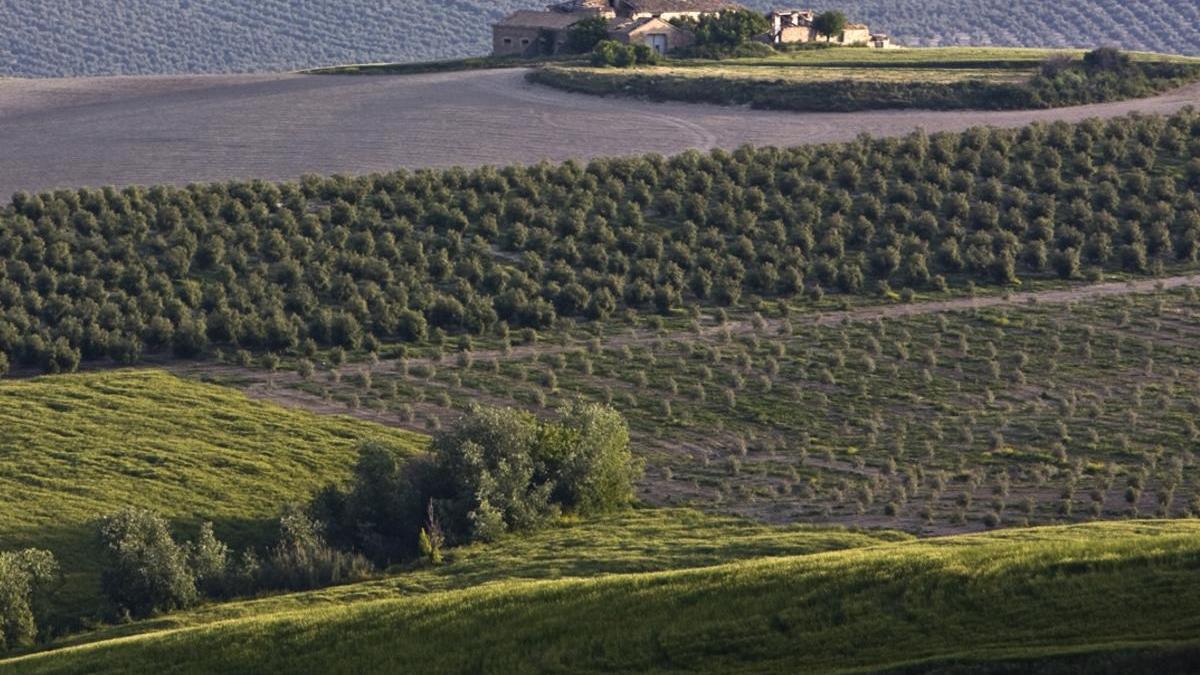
(107, 37)
(81, 446)
(1115, 597)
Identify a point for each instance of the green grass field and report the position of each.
(638, 541)
(1116, 593)
(77, 447)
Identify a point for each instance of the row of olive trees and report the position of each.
(357, 263)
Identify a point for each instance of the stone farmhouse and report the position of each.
(530, 33)
(791, 26)
(648, 22)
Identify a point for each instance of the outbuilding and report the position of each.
(532, 33)
(659, 35)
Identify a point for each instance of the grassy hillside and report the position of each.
(1122, 593)
(639, 541)
(77, 37)
(77, 447)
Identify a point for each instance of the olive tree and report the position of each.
(145, 571)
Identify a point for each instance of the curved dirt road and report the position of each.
(123, 130)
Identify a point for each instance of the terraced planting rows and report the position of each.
(1026, 414)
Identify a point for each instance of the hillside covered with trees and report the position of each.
(106, 37)
(356, 263)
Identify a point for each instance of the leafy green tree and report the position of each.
(1107, 59)
(830, 24)
(587, 452)
(493, 479)
(145, 571)
(208, 558)
(583, 36)
(24, 575)
(384, 504)
(730, 28)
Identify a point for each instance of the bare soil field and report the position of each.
(120, 131)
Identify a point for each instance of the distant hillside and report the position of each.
(105, 37)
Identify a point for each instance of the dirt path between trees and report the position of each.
(145, 130)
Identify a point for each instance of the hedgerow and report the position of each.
(1059, 83)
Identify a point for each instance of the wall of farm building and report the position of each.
(855, 35)
(791, 34)
(676, 39)
(521, 41)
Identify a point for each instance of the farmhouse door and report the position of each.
(658, 42)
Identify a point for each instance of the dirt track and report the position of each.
(101, 131)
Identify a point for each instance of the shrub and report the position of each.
(619, 55)
(302, 560)
(145, 571)
(383, 507)
(209, 561)
(1106, 59)
(24, 576)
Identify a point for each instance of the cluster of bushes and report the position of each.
(805, 96)
(25, 579)
(147, 572)
(500, 470)
(1104, 74)
(354, 263)
(619, 55)
(1060, 82)
(726, 35)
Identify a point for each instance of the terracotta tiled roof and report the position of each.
(550, 20)
(663, 6)
(626, 26)
(580, 6)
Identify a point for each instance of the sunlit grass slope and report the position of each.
(73, 448)
(1124, 593)
(637, 541)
